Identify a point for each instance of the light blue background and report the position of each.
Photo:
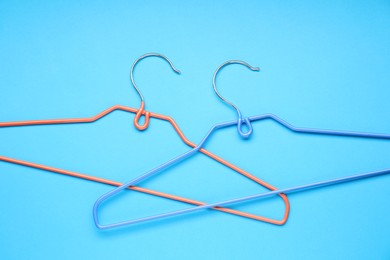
(324, 65)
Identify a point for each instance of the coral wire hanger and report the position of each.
(247, 121)
(139, 189)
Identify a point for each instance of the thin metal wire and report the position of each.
(191, 152)
(135, 188)
(141, 110)
(156, 193)
(240, 121)
(252, 197)
(152, 54)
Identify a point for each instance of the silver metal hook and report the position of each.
(141, 111)
(215, 76)
(240, 120)
(152, 54)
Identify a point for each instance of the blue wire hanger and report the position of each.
(239, 123)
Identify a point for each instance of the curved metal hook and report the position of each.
(141, 111)
(241, 121)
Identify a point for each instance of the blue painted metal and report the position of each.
(191, 152)
(248, 198)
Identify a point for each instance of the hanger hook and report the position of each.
(240, 120)
(141, 111)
